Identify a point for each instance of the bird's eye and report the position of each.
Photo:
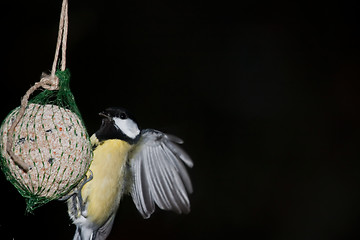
(123, 116)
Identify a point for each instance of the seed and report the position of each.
(43, 138)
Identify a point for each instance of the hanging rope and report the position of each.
(45, 149)
(48, 82)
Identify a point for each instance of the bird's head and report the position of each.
(117, 123)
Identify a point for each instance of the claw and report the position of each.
(66, 197)
(79, 196)
(78, 191)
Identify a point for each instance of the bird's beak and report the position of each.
(103, 114)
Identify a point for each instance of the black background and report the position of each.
(265, 96)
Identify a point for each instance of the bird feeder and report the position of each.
(45, 148)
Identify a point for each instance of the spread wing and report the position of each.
(159, 175)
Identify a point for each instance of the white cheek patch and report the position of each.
(127, 126)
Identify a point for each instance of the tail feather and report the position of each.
(86, 233)
(77, 234)
(83, 233)
(104, 230)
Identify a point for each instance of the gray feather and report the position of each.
(159, 175)
(103, 232)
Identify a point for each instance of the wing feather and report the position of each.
(142, 197)
(156, 180)
(172, 194)
(181, 179)
(181, 170)
(179, 152)
(159, 174)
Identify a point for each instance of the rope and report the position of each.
(48, 82)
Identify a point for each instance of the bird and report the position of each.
(146, 164)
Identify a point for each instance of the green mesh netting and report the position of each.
(52, 140)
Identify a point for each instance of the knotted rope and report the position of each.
(48, 82)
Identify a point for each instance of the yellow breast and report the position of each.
(102, 194)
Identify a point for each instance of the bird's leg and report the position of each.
(78, 206)
(67, 196)
(80, 199)
(79, 188)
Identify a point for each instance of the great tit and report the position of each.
(147, 164)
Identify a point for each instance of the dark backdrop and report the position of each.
(265, 96)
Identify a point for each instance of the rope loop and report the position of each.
(48, 82)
